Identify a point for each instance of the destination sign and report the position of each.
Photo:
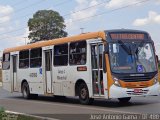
(127, 36)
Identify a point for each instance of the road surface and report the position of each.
(57, 108)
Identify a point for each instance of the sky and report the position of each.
(91, 15)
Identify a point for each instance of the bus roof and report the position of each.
(100, 34)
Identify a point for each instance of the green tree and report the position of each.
(46, 25)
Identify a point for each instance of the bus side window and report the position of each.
(36, 57)
(61, 55)
(24, 59)
(77, 53)
(6, 61)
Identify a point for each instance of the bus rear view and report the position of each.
(133, 64)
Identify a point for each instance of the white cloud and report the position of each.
(153, 18)
(2, 29)
(82, 4)
(13, 40)
(5, 13)
(84, 13)
(81, 1)
(6, 9)
(5, 17)
(22, 39)
(157, 2)
(112, 4)
(10, 40)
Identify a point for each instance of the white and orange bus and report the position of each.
(108, 64)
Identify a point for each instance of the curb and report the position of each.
(35, 116)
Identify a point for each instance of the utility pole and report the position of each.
(82, 30)
(25, 40)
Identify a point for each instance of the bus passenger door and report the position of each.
(14, 63)
(48, 70)
(97, 69)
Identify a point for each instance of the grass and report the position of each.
(22, 117)
(10, 116)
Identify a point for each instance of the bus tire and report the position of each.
(34, 96)
(124, 100)
(84, 95)
(25, 91)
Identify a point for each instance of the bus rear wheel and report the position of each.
(84, 95)
(124, 100)
(25, 91)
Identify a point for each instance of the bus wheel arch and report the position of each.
(23, 83)
(25, 89)
(81, 90)
(78, 82)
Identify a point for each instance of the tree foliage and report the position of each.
(46, 25)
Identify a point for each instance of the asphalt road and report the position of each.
(56, 108)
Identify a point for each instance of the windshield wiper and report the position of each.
(125, 47)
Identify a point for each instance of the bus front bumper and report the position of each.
(119, 92)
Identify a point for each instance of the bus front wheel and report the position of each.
(25, 91)
(124, 100)
(84, 95)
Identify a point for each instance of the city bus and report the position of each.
(111, 64)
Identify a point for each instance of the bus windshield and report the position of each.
(132, 57)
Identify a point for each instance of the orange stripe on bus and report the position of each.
(109, 75)
(139, 84)
(58, 41)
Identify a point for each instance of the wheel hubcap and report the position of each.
(83, 93)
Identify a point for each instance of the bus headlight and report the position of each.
(116, 81)
(155, 79)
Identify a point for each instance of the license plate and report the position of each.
(137, 90)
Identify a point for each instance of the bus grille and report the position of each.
(135, 78)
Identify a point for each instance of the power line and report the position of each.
(66, 1)
(90, 16)
(109, 11)
(21, 9)
(86, 8)
(56, 5)
(18, 3)
(15, 4)
(13, 30)
(10, 36)
(67, 13)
